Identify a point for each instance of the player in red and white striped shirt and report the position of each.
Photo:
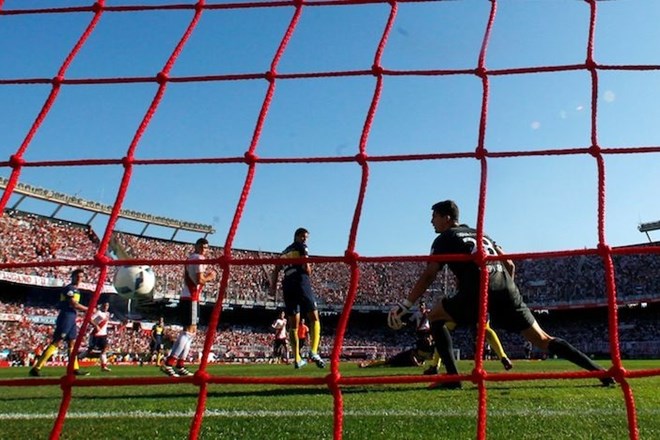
(98, 342)
(195, 276)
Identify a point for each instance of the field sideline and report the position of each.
(538, 409)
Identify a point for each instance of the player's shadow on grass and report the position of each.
(279, 391)
(500, 387)
(264, 392)
(532, 384)
(312, 390)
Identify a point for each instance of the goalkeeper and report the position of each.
(505, 305)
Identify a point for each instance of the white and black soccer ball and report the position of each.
(131, 281)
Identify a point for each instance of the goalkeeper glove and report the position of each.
(398, 313)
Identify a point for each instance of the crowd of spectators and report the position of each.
(24, 336)
(543, 282)
(582, 278)
(129, 341)
(27, 237)
(249, 283)
(246, 282)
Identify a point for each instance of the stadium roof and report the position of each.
(650, 226)
(96, 208)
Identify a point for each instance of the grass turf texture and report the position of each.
(539, 409)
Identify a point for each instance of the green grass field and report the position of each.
(539, 409)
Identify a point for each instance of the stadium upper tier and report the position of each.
(576, 280)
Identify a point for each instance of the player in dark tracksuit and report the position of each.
(505, 305)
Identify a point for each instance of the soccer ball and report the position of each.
(131, 281)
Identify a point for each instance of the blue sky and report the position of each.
(540, 203)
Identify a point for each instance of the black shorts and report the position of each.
(156, 345)
(506, 308)
(98, 343)
(279, 347)
(65, 327)
(188, 312)
(424, 343)
(298, 295)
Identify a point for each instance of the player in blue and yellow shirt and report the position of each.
(156, 341)
(299, 297)
(65, 326)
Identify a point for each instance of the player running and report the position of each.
(65, 326)
(98, 342)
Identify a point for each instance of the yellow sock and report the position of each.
(436, 359)
(75, 360)
(315, 338)
(159, 357)
(494, 342)
(295, 344)
(45, 356)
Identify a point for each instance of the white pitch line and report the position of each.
(538, 413)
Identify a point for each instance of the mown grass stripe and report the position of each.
(348, 413)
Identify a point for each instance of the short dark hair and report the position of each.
(300, 231)
(447, 207)
(77, 272)
(201, 241)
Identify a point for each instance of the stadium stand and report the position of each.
(244, 337)
(26, 237)
(546, 283)
(567, 294)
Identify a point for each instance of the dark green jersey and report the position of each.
(462, 239)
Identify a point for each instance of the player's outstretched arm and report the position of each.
(424, 281)
(401, 312)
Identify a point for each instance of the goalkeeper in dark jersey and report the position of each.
(505, 305)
